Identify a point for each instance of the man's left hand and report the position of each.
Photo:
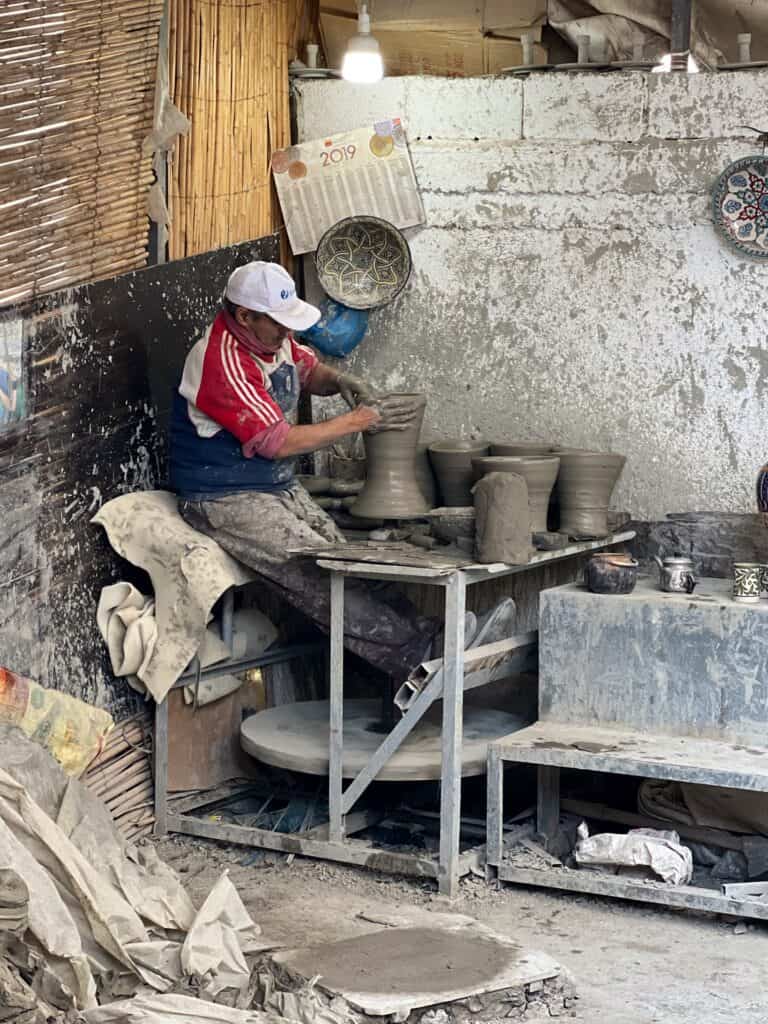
(354, 391)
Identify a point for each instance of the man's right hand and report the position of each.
(363, 418)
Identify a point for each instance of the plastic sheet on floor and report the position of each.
(95, 911)
(174, 1009)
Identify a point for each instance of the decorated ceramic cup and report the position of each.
(747, 581)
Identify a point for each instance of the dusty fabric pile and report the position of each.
(735, 810)
(189, 574)
(105, 920)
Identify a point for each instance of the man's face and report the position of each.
(269, 334)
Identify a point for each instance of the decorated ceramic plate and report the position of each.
(363, 262)
(740, 206)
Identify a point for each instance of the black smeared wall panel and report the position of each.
(101, 363)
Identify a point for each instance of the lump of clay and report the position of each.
(503, 520)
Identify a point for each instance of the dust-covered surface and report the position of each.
(569, 285)
(102, 360)
(631, 964)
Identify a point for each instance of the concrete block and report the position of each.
(659, 663)
(706, 106)
(584, 106)
(431, 107)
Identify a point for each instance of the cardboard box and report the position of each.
(454, 54)
(483, 16)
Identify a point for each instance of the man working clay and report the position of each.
(233, 444)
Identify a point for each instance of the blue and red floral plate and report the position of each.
(740, 206)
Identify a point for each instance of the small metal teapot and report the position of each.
(676, 574)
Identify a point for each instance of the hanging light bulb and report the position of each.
(362, 62)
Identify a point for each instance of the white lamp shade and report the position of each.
(362, 62)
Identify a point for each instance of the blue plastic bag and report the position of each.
(339, 330)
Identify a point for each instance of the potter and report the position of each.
(234, 441)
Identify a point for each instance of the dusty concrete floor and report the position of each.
(632, 964)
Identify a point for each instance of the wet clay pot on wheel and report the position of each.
(584, 488)
(392, 489)
(539, 472)
(452, 463)
(521, 448)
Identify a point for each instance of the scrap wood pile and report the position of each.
(96, 929)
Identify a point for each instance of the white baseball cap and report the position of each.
(269, 288)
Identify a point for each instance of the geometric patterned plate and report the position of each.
(740, 206)
(363, 262)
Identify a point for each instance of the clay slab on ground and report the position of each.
(396, 970)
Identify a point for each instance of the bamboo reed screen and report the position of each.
(76, 103)
(229, 75)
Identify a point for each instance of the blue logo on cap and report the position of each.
(285, 294)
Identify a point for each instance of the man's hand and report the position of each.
(353, 390)
(397, 413)
(363, 418)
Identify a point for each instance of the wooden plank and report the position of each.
(352, 851)
(383, 553)
(683, 897)
(405, 560)
(677, 758)
(548, 801)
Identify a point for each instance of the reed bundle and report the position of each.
(121, 776)
(76, 103)
(229, 75)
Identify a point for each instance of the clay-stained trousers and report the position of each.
(258, 529)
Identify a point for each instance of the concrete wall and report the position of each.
(569, 284)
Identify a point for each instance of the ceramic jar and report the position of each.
(611, 573)
(539, 472)
(584, 487)
(392, 488)
(452, 463)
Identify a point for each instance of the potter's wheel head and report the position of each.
(363, 262)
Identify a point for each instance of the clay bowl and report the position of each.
(452, 463)
(587, 479)
(539, 472)
(522, 448)
(611, 573)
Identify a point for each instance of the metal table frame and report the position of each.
(446, 679)
(556, 745)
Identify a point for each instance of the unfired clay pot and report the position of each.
(392, 489)
(584, 488)
(539, 472)
(521, 448)
(425, 476)
(452, 463)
